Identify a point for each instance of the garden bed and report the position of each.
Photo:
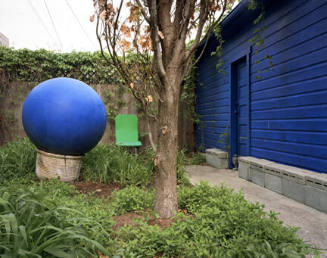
(115, 217)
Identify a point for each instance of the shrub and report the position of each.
(110, 163)
(220, 224)
(131, 198)
(17, 159)
(33, 226)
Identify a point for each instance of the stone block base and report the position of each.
(217, 158)
(301, 185)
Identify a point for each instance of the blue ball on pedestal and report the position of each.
(64, 116)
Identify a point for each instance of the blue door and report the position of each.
(239, 110)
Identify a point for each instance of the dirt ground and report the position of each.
(99, 189)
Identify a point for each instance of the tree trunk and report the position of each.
(165, 203)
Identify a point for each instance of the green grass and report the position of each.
(17, 160)
(34, 225)
(52, 219)
(110, 163)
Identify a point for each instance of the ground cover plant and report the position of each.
(113, 216)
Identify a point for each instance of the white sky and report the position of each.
(20, 23)
(27, 24)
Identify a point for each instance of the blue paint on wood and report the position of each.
(286, 118)
(239, 141)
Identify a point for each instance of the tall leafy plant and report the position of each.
(32, 226)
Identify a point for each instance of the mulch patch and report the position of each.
(162, 223)
(99, 189)
(126, 219)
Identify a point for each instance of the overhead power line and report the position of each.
(40, 20)
(53, 25)
(80, 24)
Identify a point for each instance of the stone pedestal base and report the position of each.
(64, 167)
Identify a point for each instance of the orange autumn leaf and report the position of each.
(126, 30)
(145, 42)
(147, 29)
(126, 45)
(103, 15)
(92, 18)
(134, 13)
(110, 8)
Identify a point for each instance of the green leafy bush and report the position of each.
(110, 163)
(220, 224)
(217, 223)
(33, 226)
(17, 159)
(131, 198)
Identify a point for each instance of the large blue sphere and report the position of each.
(64, 116)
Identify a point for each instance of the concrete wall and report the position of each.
(11, 103)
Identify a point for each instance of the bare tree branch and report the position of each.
(146, 17)
(156, 43)
(194, 46)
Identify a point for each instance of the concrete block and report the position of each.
(317, 180)
(246, 159)
(299, 184)
(258, 176)
(218, 153)
(315, 198)
(273, 183)
(243, 170)
(272, 169)
(217, 158)
(289, 172)
(293, 189)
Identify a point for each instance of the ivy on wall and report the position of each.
(31, 67)
(36, 66)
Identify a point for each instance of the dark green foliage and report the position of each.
(33, 226)
(110, 163)
(221, 224)
(40, 65)
(17, 159)
(44, 218)
(131, 198)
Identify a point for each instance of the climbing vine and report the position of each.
(31, 67)
(35, 66)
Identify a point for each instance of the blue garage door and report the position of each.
(240, 110)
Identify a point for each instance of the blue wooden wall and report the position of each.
(287, 101)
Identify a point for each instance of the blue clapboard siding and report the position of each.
(288, 99)
(212, 101)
